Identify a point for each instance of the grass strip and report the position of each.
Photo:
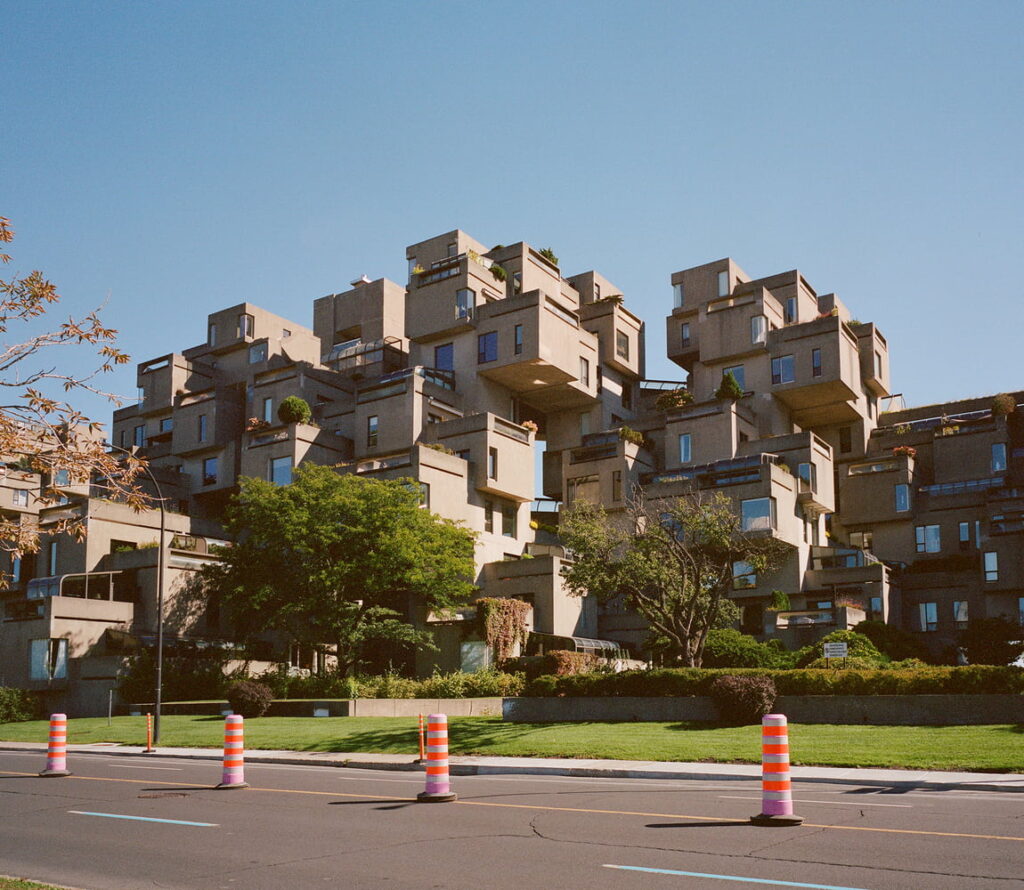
(998, 748)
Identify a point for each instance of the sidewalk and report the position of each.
(610, 769)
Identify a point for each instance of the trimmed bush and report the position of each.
(742, 700)
(857, 646)
(250, 698)
(294, 410)
(726, 647)
(16, 705)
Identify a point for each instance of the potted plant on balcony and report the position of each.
(904, 451)
(294, 410)
(499, 272)
(256, 425)
(673, 399)
(529, 425)
(1003, 404)
(730, 388)
(628, 434)
(549, 255)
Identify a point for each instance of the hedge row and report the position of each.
(481, 684)
(697, 681)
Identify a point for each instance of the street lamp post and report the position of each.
(159, 595)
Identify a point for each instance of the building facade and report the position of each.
(483, 359)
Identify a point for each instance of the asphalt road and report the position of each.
(300, 827)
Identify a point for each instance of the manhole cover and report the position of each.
(164, 794)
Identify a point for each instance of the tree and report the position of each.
(41, 434)
(993, 640)
(669, 560)
(339, 563)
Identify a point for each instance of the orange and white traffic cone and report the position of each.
(57, 750)
(234, 754)
(438, 789)
(776, 791)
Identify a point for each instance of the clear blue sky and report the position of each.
(175, 158)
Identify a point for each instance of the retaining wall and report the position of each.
(341, 707)
(881, 710)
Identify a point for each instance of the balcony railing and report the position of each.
(841, 558)
(720, 472)
(968, 485)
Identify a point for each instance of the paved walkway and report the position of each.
(619, 769)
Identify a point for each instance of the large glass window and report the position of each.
(902, 496)
(371, 430)
(928, 538)
(444, 357)
(758, 329)
(815, 362)
(928, 616)
(281, 470)
(999, 457)
(960, 614)
(743, 575)
(757, 514)
(20, 497)
(210, 471)
(782, 369)
(166, 424)
(622, 345)
(737, 372)
(808, 474)
(991, 566)
(678, 296)
(257, 353)
(487, 347)
(465, 302)
(685, 448)
(139, 436)
(48, 659)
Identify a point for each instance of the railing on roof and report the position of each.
(545, 505)
(720, 468)
(659, 385)
(967, 485)
(841, 558)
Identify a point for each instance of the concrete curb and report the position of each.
(480, 766)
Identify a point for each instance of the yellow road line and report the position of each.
(527, 806)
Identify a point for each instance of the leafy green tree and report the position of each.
(993, 640)
(890, 640)
(671, 561)
(343, 564)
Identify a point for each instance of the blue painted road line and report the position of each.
(697, 874)
(144, 819)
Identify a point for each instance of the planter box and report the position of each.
(881, 710)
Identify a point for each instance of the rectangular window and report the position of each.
(371, 431)
(201, 428)
(211, 334)
(757, 514)
(684, 334)
(21, 497)
(685, 448)
(977, 533)
(965, 535)
(960, 614)
(139, 437)
(425, 495)
(782, 369)
(489, 516)
(584, 371)
(815, 362)
(991, 566)
(743, 575)
(597, 291)
(878, 365)
(902, 495)
(166, 424)
(789, 314)
(268, 410)
(616, 485)
(124, 438)
(599, 380)
(723, 284)
(875, 608)
(210, 471)
(845, 440)
(508, 520)
(444, 357)
(862, 540)
(280, 470)
(517, 282)
(999, 458)
(412, 266)
(48, 659)
(51, 564)
(15, 570)
(492, 463)
(737, 372)
(245, 326)
(517, 339)
(257, 353)
(678, 296)
(487, 347)
(808, 474)
(622, 345)
(928, 616)
(758, 329)
(452, 249)
(465, 302)
(928, 538)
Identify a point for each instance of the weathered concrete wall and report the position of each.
(339, 707)
(882, 710)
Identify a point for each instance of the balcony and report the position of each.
(620, 333)
(359, 359)
(874, 359)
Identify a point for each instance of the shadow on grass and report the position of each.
(463, 738)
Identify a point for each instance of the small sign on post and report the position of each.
(835, 650)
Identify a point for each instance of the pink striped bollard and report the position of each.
(234, 754)
(57, 750)
(776, 790)
(437, 790)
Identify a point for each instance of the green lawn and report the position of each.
(978, 748)
(18, 884)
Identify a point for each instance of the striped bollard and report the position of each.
(149, 749)
(776, 793)
(437, 790)
(234, 765)
(57, 750)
